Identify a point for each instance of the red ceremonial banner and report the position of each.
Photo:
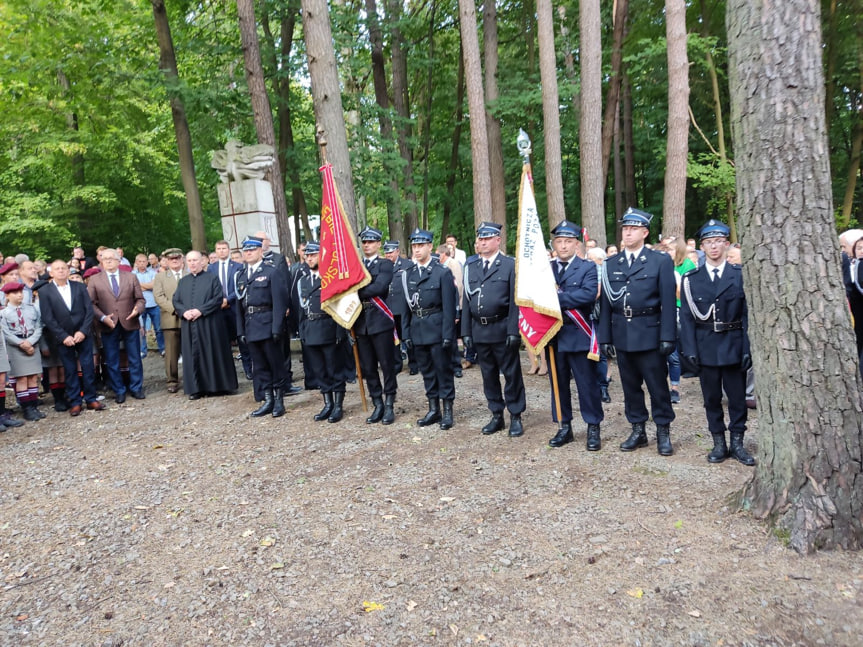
(342, 272)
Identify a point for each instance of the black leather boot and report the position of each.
(446, 418)
(337, 413)
(663, 440)
(278, 403)
(738, 451)
(389, 413)
(516, 428)
(494, 425)
(328, 408)
(594, 442)
(638, 438)
(433, 414)
(720, 449)
(603, 392)
(60, 403)
(564, 435)
(266, 406)
(378, 412)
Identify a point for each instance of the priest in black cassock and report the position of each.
(208, 368)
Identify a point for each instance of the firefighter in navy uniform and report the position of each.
(489, 323)
(429, 326)
(263, 297)
(374, 330)
(319, 334)
(714, 340)
(576, 291)
(638, 325)
(396, 302)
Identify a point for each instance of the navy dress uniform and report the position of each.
(320, 333)
(577, 285)
(429, 327)
(263, 297)
(398, 306)
(374, 330)
(638, 324)
(714, 340)
(489, 323)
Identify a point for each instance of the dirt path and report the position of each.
(169, 522)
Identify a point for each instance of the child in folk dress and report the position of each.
(22, 328)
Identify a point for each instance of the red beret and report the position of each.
(14, 286)
(92, 271)
(8, 267)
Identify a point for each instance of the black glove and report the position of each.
(608, 350)
(242, 339)
(446, 344)
(666, 348)
(513, 342)
(746, 362)
(468, 342)
(689, 364)
(408, 344)
(277, 337)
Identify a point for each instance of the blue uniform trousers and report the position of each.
(585, 372)
(731, 379)
(111, 349)
(649, 368)
(436, 368)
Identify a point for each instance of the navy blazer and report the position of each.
(233, 268)
(709, 341)
(396, 300)
(317, 328)
(60, 321)
(489, 298)
(576, 290)
(646, 311)
(267, 292)
(372, 319)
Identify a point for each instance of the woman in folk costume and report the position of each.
(22, 328)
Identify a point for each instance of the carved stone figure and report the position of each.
(239, 162)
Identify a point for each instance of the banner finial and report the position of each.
(523, 143)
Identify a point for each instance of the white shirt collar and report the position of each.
(491, 259)
(710, 268)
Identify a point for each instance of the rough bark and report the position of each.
(569, 63)
(853, 172)
(631, 198)
(452, 168)
(677, 150)
(590, 128)
(612, 97)
(401, 102)
(476, 110)
(429, 113)
(282, 91)
(327, 99)
(385, 123)
(808, 481)
(77, 161)
(550, 112)
(263, 116)
(168, 65)
(495, 145)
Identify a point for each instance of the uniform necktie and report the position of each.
(485, 267)
(631, 259)
(21, 322)
(561, 270)
(715, 274)
(176, 276)
(115, 288)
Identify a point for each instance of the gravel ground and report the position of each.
(170, 522)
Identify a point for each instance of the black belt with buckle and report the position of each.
(639, 312)
(368, 305)
(253, 309)
(720, 326)
(424, 312)
(314, 316)
(488, 320)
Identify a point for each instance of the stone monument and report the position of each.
(245, 198)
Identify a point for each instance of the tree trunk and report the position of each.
(677, 151)
(619, 175)
(452, 168)
(612, 98)
(430, 73)
(550, 112)
(808, 481)
(495, 145)
(379, 78)
(264, 118)
(590, 128)
(282, 90)
(401, 103)
(631, 198)
(82, 217)
(168, 65)
(327, 99)
(569, 63)
(853, 171)
(476, 109)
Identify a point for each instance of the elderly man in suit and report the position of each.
(490, 322)
(164, 286)
(67, 314)
(117, 303)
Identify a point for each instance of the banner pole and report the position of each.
(552, 367)
(359, 371)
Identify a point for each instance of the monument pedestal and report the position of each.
(246, 207)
